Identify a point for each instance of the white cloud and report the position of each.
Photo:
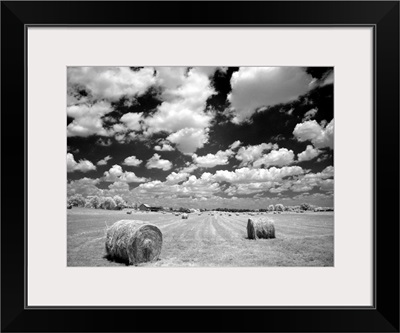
(87, 119)
(82, 165)
(155, 162)
(132, 120)
(84, 186)
(319, 135)
(130, 177)
(256, 87)
(132, 161)
(117, 174)
(117, 188)
(182, 112)
(310, 114)
(104, 161)
(327, 185)
(246, 189)
(279, 157)
(111, 83)
(235, 145)
(164, 147)
(188, 140)
(308, 154)
(308, 181)
(247, 175)
(189, 168)
(212, 160)
(175, 178)
(184, 101)
(249, 154)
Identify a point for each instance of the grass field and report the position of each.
(205, 240)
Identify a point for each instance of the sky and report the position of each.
(202, 137)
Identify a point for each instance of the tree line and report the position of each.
(117, 203)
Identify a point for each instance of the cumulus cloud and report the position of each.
(193, 187)
(212, 160)
(308, 154)
(235, 145)
(251, 188)
(310, 114)
(249, 154)
(132, 161)
(117, 174)
(256, 87)
(111, 83)
(319, 135)
(184, 101)
(87, 119)
(104, 161)
(175, 178)
(82, 165)
(164, 147)
(189, 168)
(307, 182)
(327, 185)
(117, 188)
(84, 186)
(279, 157)
(188, 140)
(247, 175)
(183, 111)
(156, 162)
(132, 121)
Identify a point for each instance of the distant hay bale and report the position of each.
(260, 228)
(133, 242)
(129, 212)
(185, 216)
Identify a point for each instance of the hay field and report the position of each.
(218, 240)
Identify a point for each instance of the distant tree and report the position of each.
(93, 202)
(271, 208)
(305, 206)
(77, 200)
(279, 208)
(119, 202)
(108, 203)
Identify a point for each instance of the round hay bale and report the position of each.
(260, 228)
(133, 242)
(129, 212)
(185, 216)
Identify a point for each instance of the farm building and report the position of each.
(144, 207)
(149, 208)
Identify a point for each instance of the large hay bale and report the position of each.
(133, 242)
(185, 216)
(260, 228)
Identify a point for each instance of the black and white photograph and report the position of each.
(200, 166)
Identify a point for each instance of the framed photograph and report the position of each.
(233, 160)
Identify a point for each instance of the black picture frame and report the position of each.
(383, 316)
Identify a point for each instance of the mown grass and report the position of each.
(218, 240)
